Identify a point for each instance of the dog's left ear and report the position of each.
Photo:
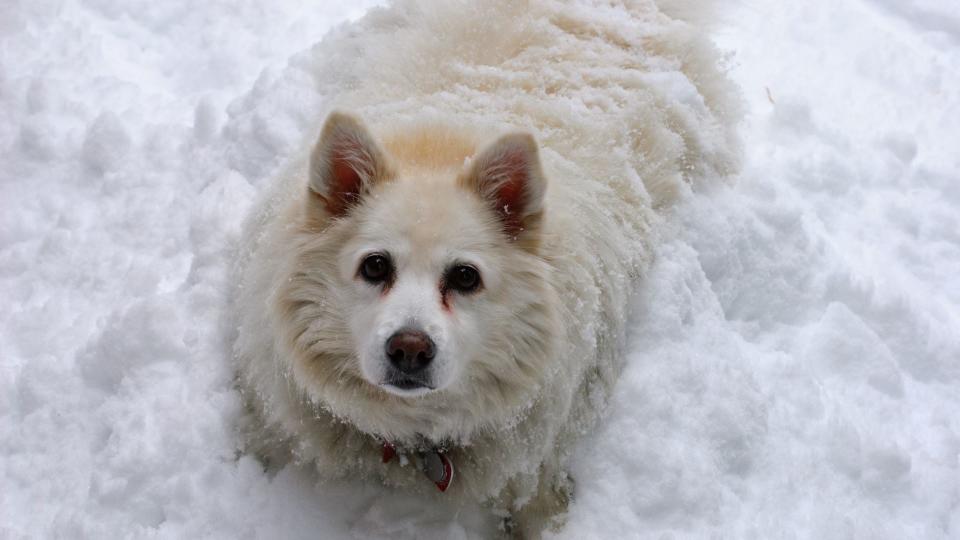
(345, 163)
(507, 174)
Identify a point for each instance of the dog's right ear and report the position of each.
(344, 164)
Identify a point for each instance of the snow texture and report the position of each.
(794, 368)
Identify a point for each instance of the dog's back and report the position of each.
(646, 88)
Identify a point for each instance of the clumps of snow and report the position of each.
(793, 366)
(105, 144)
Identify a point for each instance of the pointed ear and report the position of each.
(345, 163)
(508, 176)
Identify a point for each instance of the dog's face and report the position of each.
(418, 281)
(424, 272)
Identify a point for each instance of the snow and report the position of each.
(794, 367)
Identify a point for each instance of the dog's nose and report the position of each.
(410, 351)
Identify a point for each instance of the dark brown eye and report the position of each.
(463, 278)
(376, 268)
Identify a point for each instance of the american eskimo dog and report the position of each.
(434, 294)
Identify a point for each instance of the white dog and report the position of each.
(451, 284)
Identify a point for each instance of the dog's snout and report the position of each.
(410, 351)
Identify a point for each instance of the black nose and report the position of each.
(410, 351)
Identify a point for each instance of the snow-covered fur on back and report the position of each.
(528, 141)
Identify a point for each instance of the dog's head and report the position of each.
(419, 283)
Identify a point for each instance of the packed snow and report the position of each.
(794, 367)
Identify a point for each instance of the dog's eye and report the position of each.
(376, 268)
(463, 278)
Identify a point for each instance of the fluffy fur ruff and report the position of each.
(609, 110)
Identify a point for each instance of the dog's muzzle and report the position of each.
(409, 353)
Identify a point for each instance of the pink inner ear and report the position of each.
(510, 198)
(345, 180)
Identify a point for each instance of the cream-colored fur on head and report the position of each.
(424, 219)
(529, 141)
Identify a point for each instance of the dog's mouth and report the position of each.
(406, 384)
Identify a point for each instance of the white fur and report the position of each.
(624, 111)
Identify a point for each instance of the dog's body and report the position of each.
(430, 287)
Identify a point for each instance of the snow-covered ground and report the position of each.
(795, 363)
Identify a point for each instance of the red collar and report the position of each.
(434, 464)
